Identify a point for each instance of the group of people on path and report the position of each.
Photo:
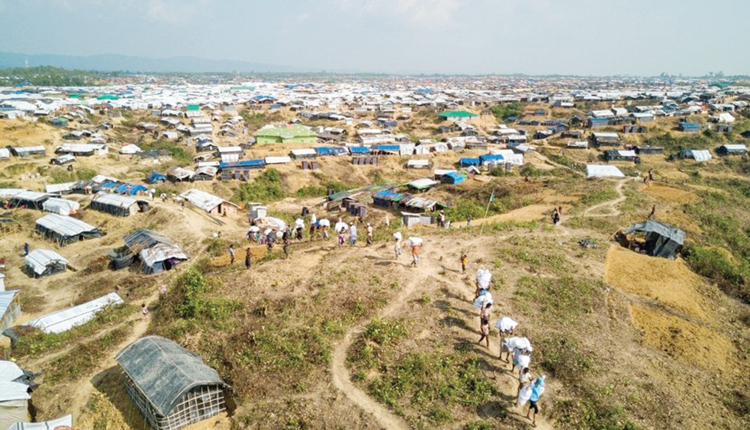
(517, 349)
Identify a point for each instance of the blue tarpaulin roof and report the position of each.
(359, 150)
(469, 161)
(330, 150)
(388, 195)
(490, 157)
(455, 176)
(137, 189)
(388, 147)
(108, 185)
(156, 177)
(244, 163)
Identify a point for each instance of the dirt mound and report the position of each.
(669, 194)
(684, 341)
(668, 281)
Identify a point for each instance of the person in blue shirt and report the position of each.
(537, 389)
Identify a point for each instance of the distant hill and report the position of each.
(113, 63)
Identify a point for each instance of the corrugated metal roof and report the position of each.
(115, 200)
(603, 171)
(65, 319)
(162, 252)
(59, 188)
(164, 371)
(662, 229)
(39, 259)
(228, 149)
(303, 151)
(30, 195)
(202, 199)
(64, 225)
(700, 154)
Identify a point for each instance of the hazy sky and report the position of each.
(585, 37)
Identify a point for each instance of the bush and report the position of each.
(179, 153)
(504, 111)
(190, 287)
(265, 188)
(321, 190)
(714, 265)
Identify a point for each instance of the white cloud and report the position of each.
(304, 17)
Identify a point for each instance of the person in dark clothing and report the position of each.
(652, 215)
(248, 258)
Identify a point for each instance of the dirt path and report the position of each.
(611, 204)
(429, 265)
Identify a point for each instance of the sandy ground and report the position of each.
(667, 281)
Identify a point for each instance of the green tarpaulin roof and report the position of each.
(457, 114)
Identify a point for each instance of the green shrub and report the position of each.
(265, 188)
(714, 265)
(190, 286)
(384, 332)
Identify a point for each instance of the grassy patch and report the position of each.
(265, 188)
(180, 154)
(84, 358)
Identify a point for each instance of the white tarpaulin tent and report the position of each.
(9, 371)
(64, 320)
(66, 421)
(14, 403)
(603, 171)
(60, 206)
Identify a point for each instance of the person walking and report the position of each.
(287, 244)
(369, 234)
(468, 221)
(441, 219)
(464, 260)
(415, 254)
(231, 254)
(144, 310)
(524, 379)
(652, 215)
(537, 389)
(248, 258)
(397, 247)
(25, 249)
(352, 234)
(484, 323)
(505, 327)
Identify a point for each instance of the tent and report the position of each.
(662, 240)
(601, 171)
(64, 229)
(43, 262)
(60, 206)
(10, 308)
(65, 319)
(60, 423)
(14, 403)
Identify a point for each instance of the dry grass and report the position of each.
(667, 281)
(682, 340)
(669, 194)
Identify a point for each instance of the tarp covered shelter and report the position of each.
(10, 308)
(64, 229)
(662, 240)
(170, 385)
(14, 403)
(66, 421)
(60, 206)
(65, 319)
(156, 251)
(115, 204)
(44, 262)
(603, 171)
